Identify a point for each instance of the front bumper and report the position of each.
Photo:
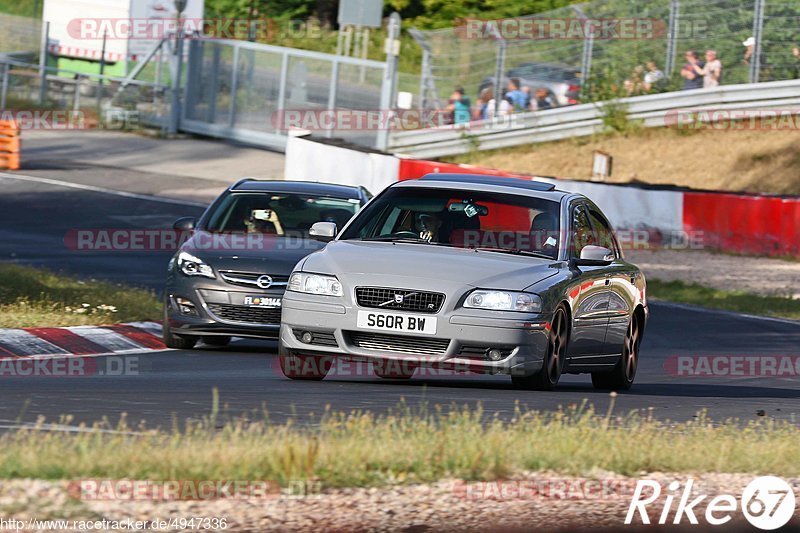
(462, 339)
(220, 311)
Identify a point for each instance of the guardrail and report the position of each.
(654, 110)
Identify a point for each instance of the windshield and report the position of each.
(278, 214)
(462, 219)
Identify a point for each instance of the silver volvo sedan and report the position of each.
(472, 274)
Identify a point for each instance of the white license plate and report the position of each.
(425, 325)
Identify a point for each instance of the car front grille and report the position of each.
(399, 343)
(399, 299)
(250, 279)
(245, 314)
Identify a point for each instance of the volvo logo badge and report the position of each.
(264, 282)
(398, 298)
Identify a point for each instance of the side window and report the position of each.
(602, 229)
(581, 230)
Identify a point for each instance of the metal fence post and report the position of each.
(175, 103)
(588, 49)
(43, 63)
(4, 97)
(499, 71)
(423, 80)
(672, 37)
(758, 27)
(389, 86)
(284, 79)
(234, 86)
(332, 92)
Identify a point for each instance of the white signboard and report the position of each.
(131, 27)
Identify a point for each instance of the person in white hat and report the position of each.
(750, 45)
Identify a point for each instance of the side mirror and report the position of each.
(595, 256)
(323, 231)
(184, 224)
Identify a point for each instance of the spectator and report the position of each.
(712, 72)
(750, 47)
(542, 100)
(765, 72)
(518, 98)
(654, 79)
(635, 84)
(691, 72)
(459, 107)
(486, 103)
(506, 107)
(796, 62)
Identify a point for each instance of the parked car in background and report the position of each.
(491, 275)
(228, 279)
(562, 82)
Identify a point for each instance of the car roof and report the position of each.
(298, 187)
(480, 182)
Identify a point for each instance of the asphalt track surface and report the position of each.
(177, 385)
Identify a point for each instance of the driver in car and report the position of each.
(428, 225)
(264, 221)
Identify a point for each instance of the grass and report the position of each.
(363, 449)
(31, 297)
(756, 161)
(742, 302)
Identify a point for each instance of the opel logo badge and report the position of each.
(264, 282)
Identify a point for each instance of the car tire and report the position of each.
(553, 365)
(171, 340)
(215, 340)
(305, 367)
(177, 342)
(623, 375)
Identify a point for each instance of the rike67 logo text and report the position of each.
(768, 503)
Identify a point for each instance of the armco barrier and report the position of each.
(654, 110)
(750, 224)
(740, 223)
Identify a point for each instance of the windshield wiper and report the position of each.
(389, 238)
(516, 251)
(406, 240)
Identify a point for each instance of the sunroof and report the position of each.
(491, 180)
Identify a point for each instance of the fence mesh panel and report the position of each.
(460, 56)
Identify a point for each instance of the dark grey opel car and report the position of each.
(228, 278)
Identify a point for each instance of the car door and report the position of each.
(589, 293)
(622, 277)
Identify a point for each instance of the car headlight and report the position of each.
(315, 284)
(504, 301)
(190, 265)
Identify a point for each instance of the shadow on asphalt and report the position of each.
(686, 390)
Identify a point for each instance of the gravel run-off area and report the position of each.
(757, 275)
(534, 501)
